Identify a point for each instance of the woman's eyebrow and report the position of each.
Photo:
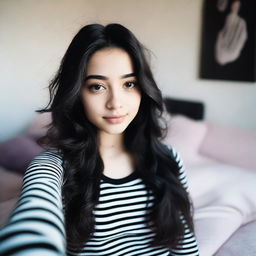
(100, 77)
(95, 77)
(128, 75)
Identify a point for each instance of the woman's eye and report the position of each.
(130, 85)
(96, 87)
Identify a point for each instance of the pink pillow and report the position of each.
(186, 135)
(230, 145)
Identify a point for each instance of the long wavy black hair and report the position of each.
(72, 134)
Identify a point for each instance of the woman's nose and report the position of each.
(114, 100)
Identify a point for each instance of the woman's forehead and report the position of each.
(110, 62)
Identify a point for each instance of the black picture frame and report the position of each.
(228, 40)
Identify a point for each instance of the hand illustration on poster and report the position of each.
(228, 43)
(232, 37)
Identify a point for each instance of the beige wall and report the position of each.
(35, 34)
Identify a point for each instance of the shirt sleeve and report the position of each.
(36, 226)
(187, 244)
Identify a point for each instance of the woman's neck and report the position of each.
(118, 163)
(110, 144)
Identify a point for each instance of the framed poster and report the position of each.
(228, 43)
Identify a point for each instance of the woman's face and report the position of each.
(110, 95)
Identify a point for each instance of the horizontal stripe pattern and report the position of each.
(121, 225)
(36, 227)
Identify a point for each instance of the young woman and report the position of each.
(106, 185)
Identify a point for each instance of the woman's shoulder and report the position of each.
(172, 151)
(49, 155)
(178, 159)
(47, 158)
(45, 166)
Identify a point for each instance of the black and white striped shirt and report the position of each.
(36, 227)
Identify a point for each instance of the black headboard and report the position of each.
(191, 109)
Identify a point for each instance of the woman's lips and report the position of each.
(114, 119)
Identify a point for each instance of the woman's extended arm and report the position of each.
(36, 226)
